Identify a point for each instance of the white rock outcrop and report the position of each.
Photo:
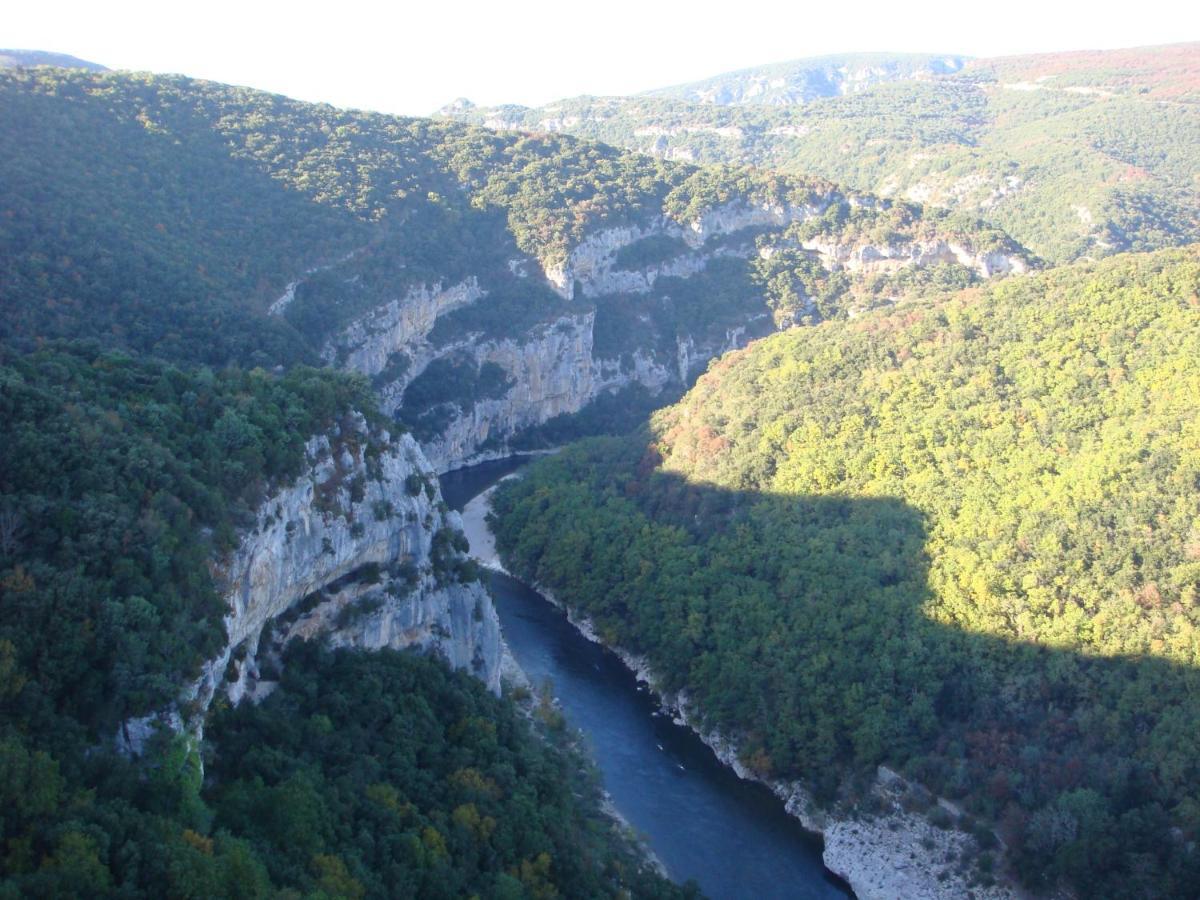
(871, 258)
(734, 216)
(552, 371)
(592, 263)
(595, 255)
(359, 525)
(366, 345)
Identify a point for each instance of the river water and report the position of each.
(732, 836)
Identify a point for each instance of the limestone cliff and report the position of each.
(360, 550)
(552, 371)
(558, 365)
(871, 258)
(592, 264)
(366, 345)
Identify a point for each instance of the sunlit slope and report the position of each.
(962, 538)
(1047, 428)
(1073, 154)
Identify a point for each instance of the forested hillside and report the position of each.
(951, 526)
(1074, 154)
(214, 224)
(123, 483)
(151, 402)
(959, 537)
(154, 208)
(120, 479)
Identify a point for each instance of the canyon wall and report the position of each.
(554, 366)
(359, 549)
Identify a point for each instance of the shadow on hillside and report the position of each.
(168, 216)
(808, 625)
(137, 217)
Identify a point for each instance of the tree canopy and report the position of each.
(956, 537)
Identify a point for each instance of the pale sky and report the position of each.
(413, 58)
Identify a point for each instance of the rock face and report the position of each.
(359, 549)
(366, 345)
(553, 367)
(552, 370)
(390, 343)
(592, 264)
(894, 852)
(889, 258)
(730, 217)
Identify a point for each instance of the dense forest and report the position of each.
(1072, 154)
(958, 537)
(150, 402)
(121, 480)
(951, 527)
(208, 224)
(191, 206)
(363, 775)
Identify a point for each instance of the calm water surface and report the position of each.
(733, 837)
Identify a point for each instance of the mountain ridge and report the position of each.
(389, 245)
(1075, 155)
(14, 58)
(802, 80)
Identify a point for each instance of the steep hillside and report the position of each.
(1079, 154)
(959, 538)
(175, 541)
(485, 283)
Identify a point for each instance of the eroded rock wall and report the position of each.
(554, 367)
(360, 550)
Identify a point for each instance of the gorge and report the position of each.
(703, 813)
(856, 518)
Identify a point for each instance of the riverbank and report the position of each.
(483, 550)
(479, 535)
(896, 851)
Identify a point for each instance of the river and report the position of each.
(702, 821)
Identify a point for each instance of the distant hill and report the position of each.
(803, 80)
(1166, 72)
(10, 59)
(1074, 154)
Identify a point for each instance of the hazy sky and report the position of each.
(412, 58)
